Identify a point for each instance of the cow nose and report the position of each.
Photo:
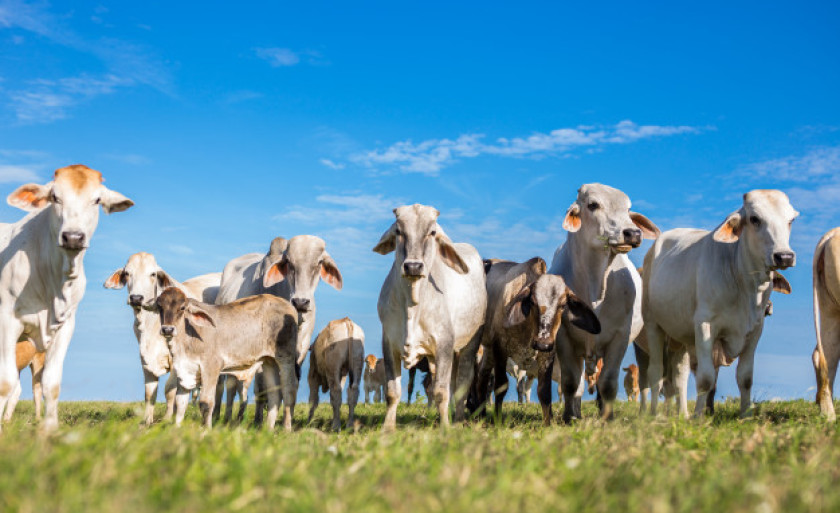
(167, 331)
(135, 299)
(413, 268)
(72, 240)
(632, 236)
(300, 304)
(784, 259)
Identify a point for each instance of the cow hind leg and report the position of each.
(500, 382)
(151, 386)
(273, 384)
(37, 368)
(259, 398)
(642, 360)
(12, 403)
(655, 364)
(287, 390)
(207, 400)
(353, 392)
(678, 360)
(170, 390)
(232, 386)
(334, 382)
(465, 371)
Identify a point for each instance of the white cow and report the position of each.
(145, 281)
(593, 262)
(432, 304)
(290, 270)
(42, 277)
(704, 290)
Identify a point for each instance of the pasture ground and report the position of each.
(784, 459)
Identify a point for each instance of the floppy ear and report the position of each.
(198, 316)
(116, 280)
(112, 201)
(780, 284)
(276, 272)
(649, 230)
(520, 307)
(30, 197)
(730, 230)
(582, 315)
(572, 221)
(449, 255)
(330, 272)
(388, 241)
(163, 279)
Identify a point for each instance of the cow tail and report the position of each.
(821, 366)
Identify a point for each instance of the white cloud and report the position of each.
(181, 250)
(330, 164)
(16, 174)
(430, 156)
(49, 100)
(823, 162)
(349, 209)
(278, 57)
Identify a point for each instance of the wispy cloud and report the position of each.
(431, 156)
(348, 209)
(285, 57)
(41, 100)
(15, 174)
(822, 162)
(330, 164)
(128, 158)
(19, 166)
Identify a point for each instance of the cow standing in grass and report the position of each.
(337, 354)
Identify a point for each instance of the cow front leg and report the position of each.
(221, 384)
(705, 378)
(53, 369)
(656, 351)
(272, 376)
(232, 389)
(13, 400)
(182, 398)
(207, 400)
(393, 371)
(464, 376)
(443, 381)
(642, 360)
(170, 391)
(744, 375)
(37, 368)
(544, 388)
(680, 363)
(570, 381)
(288, 389)
(10, 331)
(151, 386)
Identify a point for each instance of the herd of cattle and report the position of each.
(698, 303)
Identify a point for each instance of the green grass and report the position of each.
(784, 459)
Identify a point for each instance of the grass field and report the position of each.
(784, 459)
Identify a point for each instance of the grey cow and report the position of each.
(525, 310)
(593, 262)
(431, 304)
(291, 269)
(207, 340)
(706, 289)
(337, 353)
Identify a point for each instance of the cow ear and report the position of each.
(199, 316)
(330, 272)
(537, 266)
(649, 230)
(31, 196)
(780, 283)
(450, 255)
(163, 279)
(276, 272)
(116, 280)
(582, 315)
(572, 221)
(112, 201)
(388, 241)
(520, 307)
(730, 230)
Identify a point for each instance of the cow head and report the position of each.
(74, 197)
(543, 303)
(371, 362)
(763, 223)
(601, 214)
(417, 241)
(174, 308)
(302, 264)
(144, 279)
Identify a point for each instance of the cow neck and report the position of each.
(750, 276)
(588, 276)
(64, 274)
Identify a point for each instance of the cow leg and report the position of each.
(207, 400)
(705, 377)
(334, 382)
(151, 385)
(608, 379)
(465, 361)
(642, 359)
(679, 362)
(830, 334)
(314, 396)
(221, 384)
(356, 369)
(259, 397)
(571, 379)
(411, 373)
(182, 398)
(529, 384)
(443, 377)
(274, 383)
(544, 390)
(37, 368)
(12, 403)
(393, 369)
(53, 369)
(243, 398)
(500, 380)
(485, 370)
(288, 388)
(10, 331)
(656, 349)
(744, 373)
(170, 389)
(710, 399)
(232, 386)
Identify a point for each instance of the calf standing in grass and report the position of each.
(631, 382)
(526, 309)
(338, 352)
(374, 378)
(207, 340)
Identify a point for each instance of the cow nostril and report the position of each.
(632, 235)
(72, 240)
(167, 331)
(135, 299)
(784, 259)
(300, 304)
(413, 268)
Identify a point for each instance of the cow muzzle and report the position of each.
(168, 331)
(302, 305)
(413, 269)
(72, 240)
(135, 300)
(784, 259)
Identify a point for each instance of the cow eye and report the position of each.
(433, 233)
(755, 221)
(183, 308)
(398, 231)
(593, 206)
(97, 201)
(54, 198)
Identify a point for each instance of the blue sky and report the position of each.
(231, 125)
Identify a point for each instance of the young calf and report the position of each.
(207, 340)
(374, 378)
(631, 382)
(525, 310)
(338, 351)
